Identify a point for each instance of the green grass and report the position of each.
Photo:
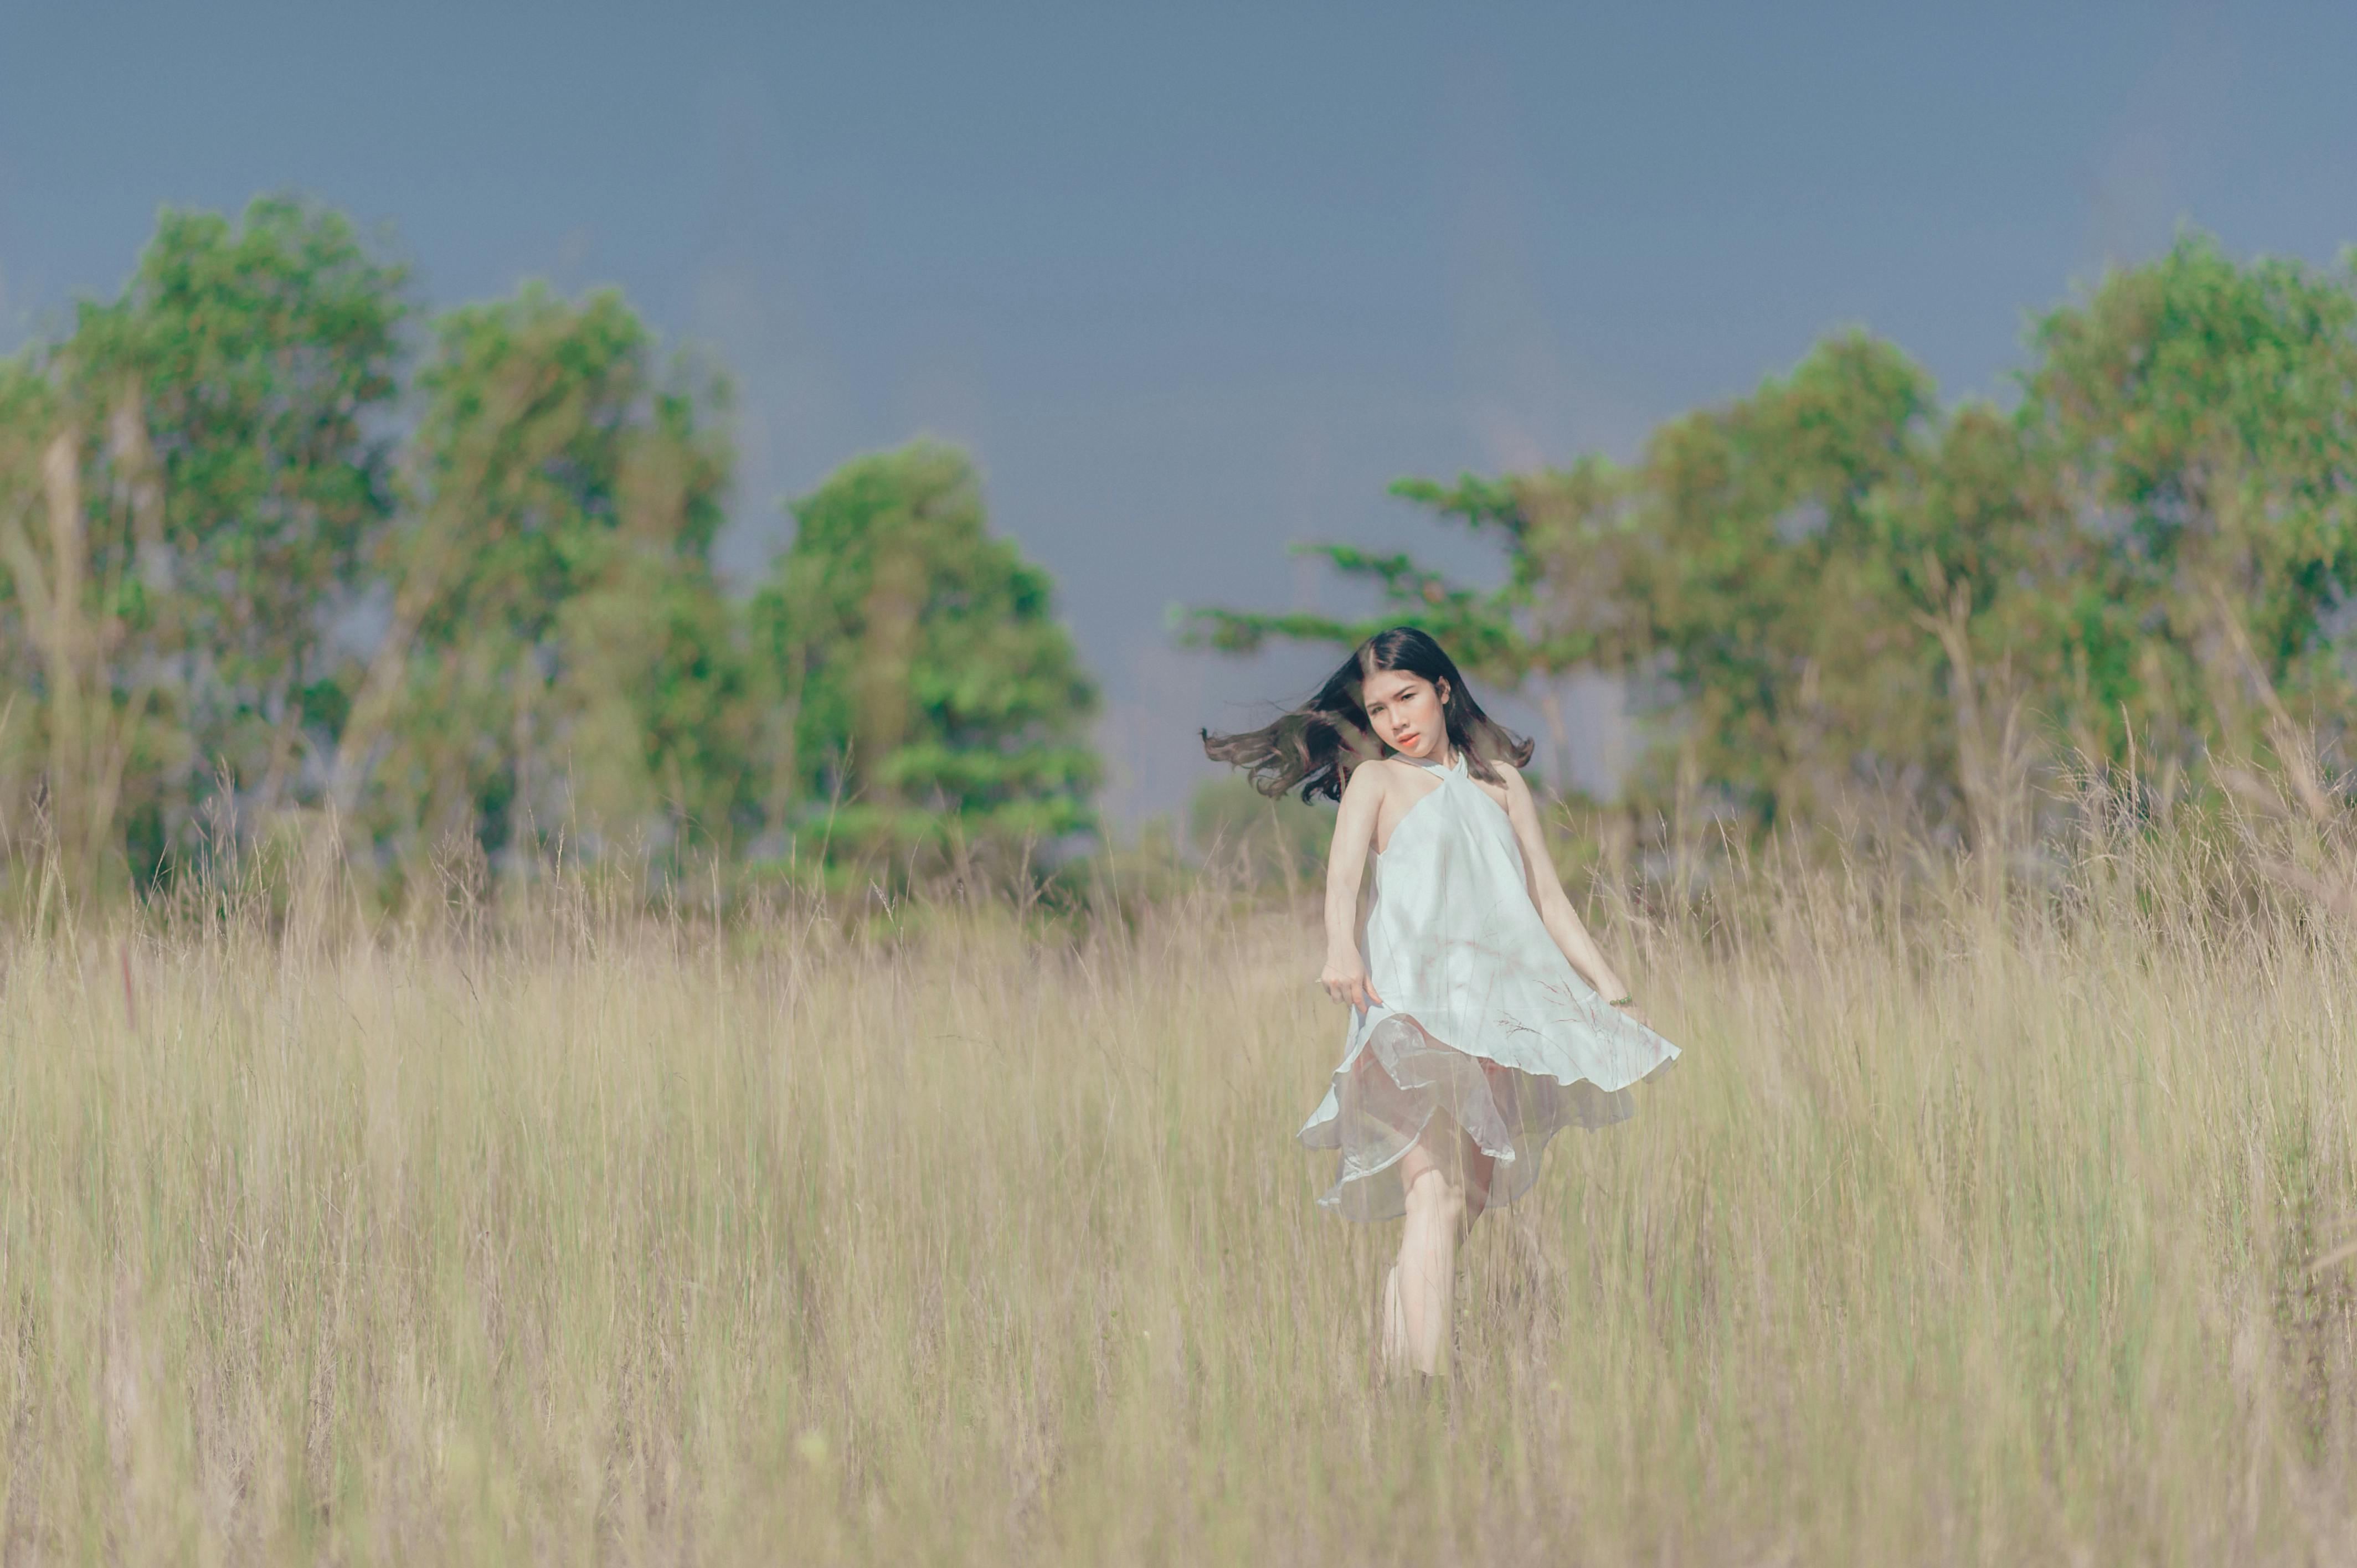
(1953, 1238)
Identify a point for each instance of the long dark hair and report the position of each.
(1318, 744)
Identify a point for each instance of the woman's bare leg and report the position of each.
(1420, 1296)
(1394, 1333)
(1435, 1208)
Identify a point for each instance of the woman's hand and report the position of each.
(1345, 980)
(1631, 1010)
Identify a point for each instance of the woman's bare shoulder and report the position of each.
(1381, 779)
(1370, 778)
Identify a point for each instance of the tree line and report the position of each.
(283, 556)
(279, 554)
(1838, 600)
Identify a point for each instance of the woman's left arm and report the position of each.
(1562, 921)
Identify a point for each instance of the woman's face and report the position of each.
(1405, 712)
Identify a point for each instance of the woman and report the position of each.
(1483, 1017)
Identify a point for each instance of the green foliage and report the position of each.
(1834, 599)
(212, 467)
(205, 494)
(2203, 418)
(1831, 599)
(1763, 587)
(560, 658)
(261, 355)
(939, 708)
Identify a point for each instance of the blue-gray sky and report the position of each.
(1195, 281)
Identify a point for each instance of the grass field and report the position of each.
(1960, 1235)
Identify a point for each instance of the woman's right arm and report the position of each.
(1345, 976)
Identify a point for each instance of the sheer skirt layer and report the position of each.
(1387, 1093)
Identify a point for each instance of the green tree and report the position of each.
(938, 707)
(2201, 418)
(72, 712)
(1766, 587)
(1839, 600)
(1974, 539)
(1734, 573)
(214, 455)
(262, 356)
(558, 654)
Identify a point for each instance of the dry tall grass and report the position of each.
(1964, 1233)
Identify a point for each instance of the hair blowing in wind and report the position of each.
(1317, 745)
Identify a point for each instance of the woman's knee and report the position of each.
(1436, 1194)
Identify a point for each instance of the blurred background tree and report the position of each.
(2201, 418)
(558, 658)
(264, 559)
(1834, 602)
(216, 468)
(274, 553)
(938, 711)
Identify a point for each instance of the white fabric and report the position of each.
(1482, 1017)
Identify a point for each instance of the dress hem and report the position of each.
(1398, 1075)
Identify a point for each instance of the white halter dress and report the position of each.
(1482, 1017)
